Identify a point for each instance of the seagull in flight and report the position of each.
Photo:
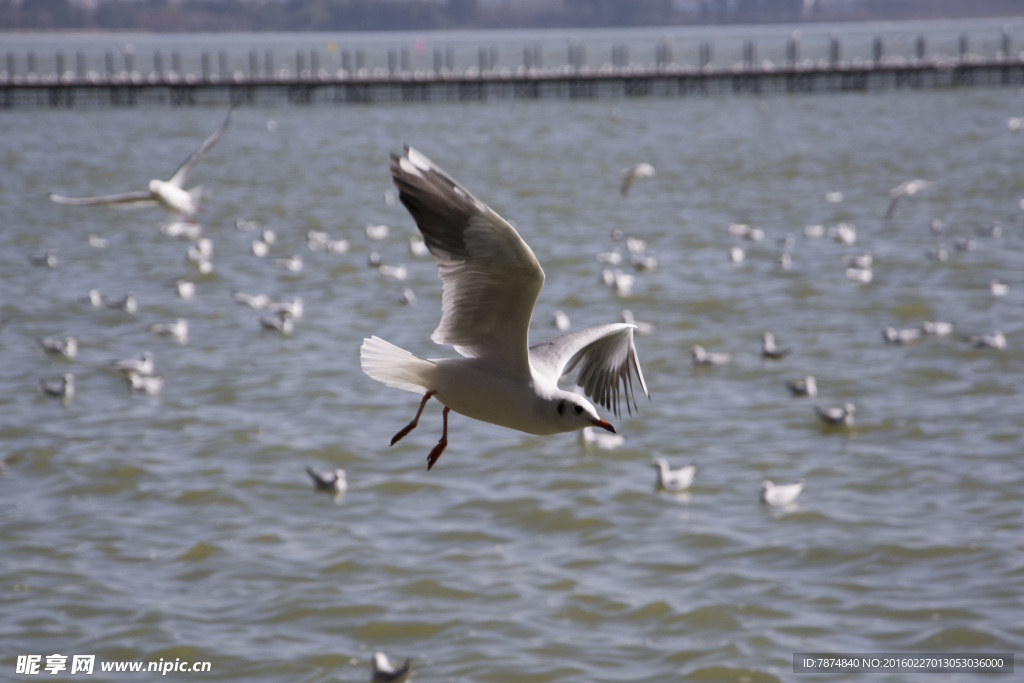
(632, 173)
(490, 284)
(170, 194)
(908, 188)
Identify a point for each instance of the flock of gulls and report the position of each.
(491, 280)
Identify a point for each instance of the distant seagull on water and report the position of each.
(170, 194)
(937, 328)
(904, 336)
(780, 495)
(770, 350)
(803, 387)
(591, 438)
(702, 356)
(335, 481)
(490, 283)
(995, 340)
(674, 480)
(67, 347)
(140, 366)
(63, 389)
(836, 417)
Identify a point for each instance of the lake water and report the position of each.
(183, 526)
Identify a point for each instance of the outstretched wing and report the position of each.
(178, 179)
(138, 198)
(606, 358)
(490, 277)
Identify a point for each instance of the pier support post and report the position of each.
(835, 50)
(878, 51)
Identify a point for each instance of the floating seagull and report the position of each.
(334, 482)
(256, 301)
(861, 276)
(178, 329)
(769, 348)
(938, 328)
(417, 247)
(47, 259)
(998, 288)
(63, 389)
(589, 436)
(259, 248)
(965, 244)
(490, 283)
(67, 347)
(814, 231)
(736, 255)
(836, 416)
(701, 356)
(995, 340)
(185, 289)
(128, 304)
(140, 366)
(282, 322)
(674, 480)
(293, 263)
(376, 232)
(905, 336)
(907, 188)
(143, 384)
(94, 298)
(803, 387)
(780, 495)
(994, 231)
(385, 672)
(844, 233)
(785, 261)
(634, 172)
(170, 194)
(97, 242)
(834, 197)
(865, 260)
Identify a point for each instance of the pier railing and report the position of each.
(345, 78)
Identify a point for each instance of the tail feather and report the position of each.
(394, 366)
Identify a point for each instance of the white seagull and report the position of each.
(178, 330)
(143, 366)
(490, 283)
(590, 437)
(67, 347)
(674, 480)
(996, 340)
(836, 416)
(807, 386)
(63, 389)
(335, 481)
(170, 194)
(937, 328)
(769, 349)
(702, 356)
(780, 495)
(634, 172)
(907, 335)
(386, 672)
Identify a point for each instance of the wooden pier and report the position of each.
(351, 82)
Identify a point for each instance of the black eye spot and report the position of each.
(578, 409)
(561, 407)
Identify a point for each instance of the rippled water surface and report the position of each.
(184, 526)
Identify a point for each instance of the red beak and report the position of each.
(604, 425)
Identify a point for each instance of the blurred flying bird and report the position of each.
(907, 188)
(170, 194)
(634, 172)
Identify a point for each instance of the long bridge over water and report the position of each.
(353, 83)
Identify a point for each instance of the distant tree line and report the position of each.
(360, 15)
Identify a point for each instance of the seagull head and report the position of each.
(572, 412)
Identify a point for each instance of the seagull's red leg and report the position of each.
(442, 444)
(412, 425)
